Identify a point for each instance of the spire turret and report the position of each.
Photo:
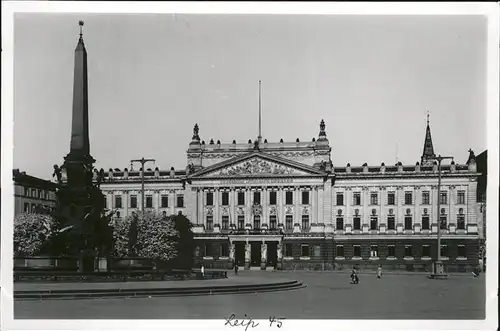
(428, 152)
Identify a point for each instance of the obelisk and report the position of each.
(79, 161)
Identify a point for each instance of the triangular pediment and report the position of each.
(257, 164)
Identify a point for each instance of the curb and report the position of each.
(150, 292)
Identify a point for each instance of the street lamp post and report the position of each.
(438, 271)
(142, 161)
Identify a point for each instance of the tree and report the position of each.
(184, 242)
(31, 233)
(155, 237)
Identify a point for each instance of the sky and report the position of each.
(152, 77)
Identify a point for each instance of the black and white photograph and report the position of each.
(250, 169)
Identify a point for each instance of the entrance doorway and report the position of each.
(239, 253)
(255, 254)
(272, 253)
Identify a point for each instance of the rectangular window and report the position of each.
(33, 193)
(340, 199)
(408, 251)
(256, 198)
(408, 198)
(305, 197)
(289, 197)
(443, 198)
(180, 201)
(26, 207)
(164, 201)
(461, 222)
(357, 223)
(305, 221)
(208, 250)
(46, 195)
(225, 222)
(443, 223)
(425, 197)
(462, 252)
(391, 198)
(40, 194)
(133, 201)
(304, 250)
(256, 222)
(241, 198)
(33, 208)
(288, 250)
(340, 223)
(425, 223)
(356, 199)
(118, 201)
(26, 191)
(391, 223)
(210, 222)
(340, 250)
(224, 250)
(289, 222)
(391, 251)
(272, 222)
(461, 198)
(374, 251)
(225, 198)
(408, 223)
(357, 251)
(373, 223)
(149, 201)
(373, 199)
(426, 251)
(444, 251)
(210, 199)
(241, 222)
(272, 198)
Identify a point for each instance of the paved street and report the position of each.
(327, 295)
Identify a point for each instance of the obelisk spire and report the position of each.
(80, 119)
(260, 115)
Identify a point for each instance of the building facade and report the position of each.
(285, 205)
(32, 194)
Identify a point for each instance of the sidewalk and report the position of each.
(246, 278)
(374, 272)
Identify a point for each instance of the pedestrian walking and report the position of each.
(236, 268)
(354, 276)
(476, 272)
(379, 271)
(202, 271)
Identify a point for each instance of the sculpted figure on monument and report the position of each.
(247, 252)
(263, 252)
(57, 173)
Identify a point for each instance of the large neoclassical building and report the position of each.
(285, 204)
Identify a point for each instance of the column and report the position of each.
(247, 255)
(217, 211)
(280, 211)
(366, 212)
(400, 196)
(232, 214)
(248, 205)
(199, 198)
(171, 202)
(297, 211)
(433, 209)
(265, 207)
(125, 202)
(263, 255)
(314, 197)
(321, 204)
